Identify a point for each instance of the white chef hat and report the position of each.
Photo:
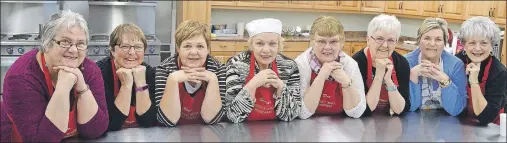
(264, 25)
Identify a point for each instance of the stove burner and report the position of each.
(149, 37)
(20, 37)
(99, 38)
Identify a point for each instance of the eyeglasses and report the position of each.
(322, 43)
(126, 48)
(382, 40)
(67, 44)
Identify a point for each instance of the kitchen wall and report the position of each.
(22, 18)
(351, 22)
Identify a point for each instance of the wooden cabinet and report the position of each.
(411, 7)
(347, 48)
(373, 6)
(357, 46)
(301, 4)
(327, 5)
(193, 10)
(452, 9)
(349, 5)
(223, 2)
(393, 7)
(443, 9)
(276, 4)
(479, 8)
(431, 8)
(499, 12)
(249, 3)
(403, 7)
(402, 51)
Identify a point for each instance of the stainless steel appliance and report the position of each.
(13, 46)
(98, 48)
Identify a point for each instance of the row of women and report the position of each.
(55, 92)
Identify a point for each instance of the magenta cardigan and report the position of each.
(25, 99)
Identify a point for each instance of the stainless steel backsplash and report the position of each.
(104, 18)
(25, 17)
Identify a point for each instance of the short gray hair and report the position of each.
(63, 19)
(386, 23)
(479, 26)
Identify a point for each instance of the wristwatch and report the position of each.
(142, 88)
(444, 83)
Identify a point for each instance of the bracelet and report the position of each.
(445, 83)
(349, 84)
(473, 82)
(142, 88)
(392, 88)
(84, 90)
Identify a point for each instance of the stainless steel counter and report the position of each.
(427, 126)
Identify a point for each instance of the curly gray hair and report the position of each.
(63, 19)
(479, 26)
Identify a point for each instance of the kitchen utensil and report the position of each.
(240, 28)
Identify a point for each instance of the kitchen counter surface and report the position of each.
(425, 126)
(350, 36)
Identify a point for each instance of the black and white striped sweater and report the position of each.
(169, 66)
(238, 100)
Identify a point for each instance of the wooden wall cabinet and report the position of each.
(223, 2)
(499, 12)
(301, 4)
(193, 10)
(349, 5)
(276, 4)
(443, 9)
(250, 3)
(493, 9)
(373, 6)
(403, 7)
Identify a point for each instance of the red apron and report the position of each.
(190, 112)
(483, 88)
(72, 126)
(264, 108)
(331, 100)
(131, 118)
(383, 103)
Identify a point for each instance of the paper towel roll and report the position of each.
(502, 124)
(240, 28)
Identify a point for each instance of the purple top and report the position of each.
(25, 99)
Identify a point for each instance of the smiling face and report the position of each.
(432, 43)
(130, 58)
(478, 48)
(265, 47)
(70, 57)
(326, 49)
(381, 44)
(193, 52)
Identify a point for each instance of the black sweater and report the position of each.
(116, 117)
(402, 69)
(495, 88)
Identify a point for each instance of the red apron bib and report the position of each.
(331, 100)
(470, 109)
(72, 126)
(264, 108)
(190, 112)
(131, 118)
(191, 106)
(383, 103)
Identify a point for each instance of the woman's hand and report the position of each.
(125, 76)
(432, 71)
(139, 75)
(79, 83)
(473, 72)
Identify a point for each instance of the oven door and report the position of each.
(6, 63)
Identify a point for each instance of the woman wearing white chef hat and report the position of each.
(261, 83)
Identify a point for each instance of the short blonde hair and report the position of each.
(191, 28)
(280, 43)
(430, 24)
(327, 26)
(122, 29)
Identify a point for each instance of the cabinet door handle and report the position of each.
(489, 12)
(442, 8)
(399, 5)
(493, 12)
